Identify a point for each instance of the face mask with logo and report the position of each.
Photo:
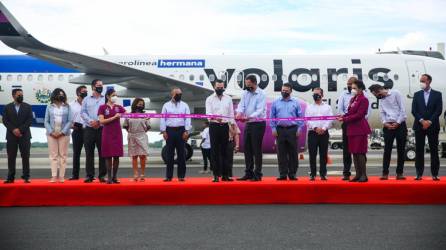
(177, 97)
(19, 99)
(99, 89)
(114, 99)
(354, 92)
(285, 94)
(219, 92)
(317, 97)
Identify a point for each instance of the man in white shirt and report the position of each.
(318, 133)
(220, 104)
(175, 132)
(205, 148)
(78, 135)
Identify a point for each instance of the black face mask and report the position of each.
(177, 97)
(349, 89)
(285, 94)
(83, 95)
(379, 97)
(99, 89)
(316, 97)
(139, 109)
(249, 89)
(61, 98)
(19, 99)
(219, 92)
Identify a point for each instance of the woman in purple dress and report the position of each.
(111, 145)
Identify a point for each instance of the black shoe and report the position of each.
(215, 179)
(312, 178)
(355, 179)
(435, 178)
(9, 181)
(363, 179)
(73, 178)
(282, 178)
(167, 179)
(256, 178)
(116, 181)
(226, 179)
(418, 178)
(88, 180)
(400, 177)
(384, 177)
(26, 180)
(346, 178)
(181, 179)
(109, 182)
(244, 178)
(292, 178)
(101, 179)
(323, 178)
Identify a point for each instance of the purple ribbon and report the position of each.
(201, 116)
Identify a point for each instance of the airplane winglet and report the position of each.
(9, 26)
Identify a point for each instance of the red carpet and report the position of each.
(201, 191)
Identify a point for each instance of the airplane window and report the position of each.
(29, 78)
(274, 77)
(375, 77)
(284, 78)
(294, 77)
(50, 77)
(264, 77)
(201, 77)
(60, 77)
(334, 77)
(239, 77)
(40, 78)
(19, 78)
(223, 77)
(181, 77)
(212, 77)
(386, 77)
(314, 77)
(396, 77)
(9, 78)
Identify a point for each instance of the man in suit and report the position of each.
(427, 106)
(17, 118)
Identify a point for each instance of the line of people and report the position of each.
(93, 122)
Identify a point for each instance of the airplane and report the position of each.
(44, 68)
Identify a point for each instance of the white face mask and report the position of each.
(354, 92)
(114, 99)
(423, 86)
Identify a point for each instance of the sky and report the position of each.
(216, 27)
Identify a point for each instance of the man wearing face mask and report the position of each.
(393, 116)
(220, 104)
(77, 136)
(286, 132)
(93, 131)
(427, 106)
(343, 103)
(251, 109)
(176, 132)
(17, 118)
(318, 134)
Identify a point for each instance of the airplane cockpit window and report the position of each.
(29, 78)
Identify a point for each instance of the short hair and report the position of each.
(14, 91)
(288, 85)
(78, 89)
(135, 103)
(93, 83)
(429, 77)
(56, 93)
(319, 88)
(375, 88)
(252, 78)
(219, 81)
(359, 84)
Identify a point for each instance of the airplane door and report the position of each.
(415, 70)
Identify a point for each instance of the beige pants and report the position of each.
(58, 151)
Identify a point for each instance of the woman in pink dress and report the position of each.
(111, 145)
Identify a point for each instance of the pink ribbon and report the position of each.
(202, 116)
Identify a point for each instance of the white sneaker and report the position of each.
(53, 179)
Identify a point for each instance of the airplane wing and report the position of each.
(138, 82)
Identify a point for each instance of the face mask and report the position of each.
(316, 97)
(19, 99)
(83, 95)
(349, 89)
(61, 98)
(177, 97)
(249, 89)
(139, 109)
(219, 92)
(285, 94)
(99, 89)
(354, 92)
(114, 99)
(423, 86)
(379, 97)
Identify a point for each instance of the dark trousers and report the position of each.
(347, 157)
(230, 156)
(253, 137)
(92, 138)
(400, 134)
(219, 134)
(206, 152)
(432, 138)
(287, 151)
(78, 143)
(12, 145)
(175, 142)
(315, 142)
